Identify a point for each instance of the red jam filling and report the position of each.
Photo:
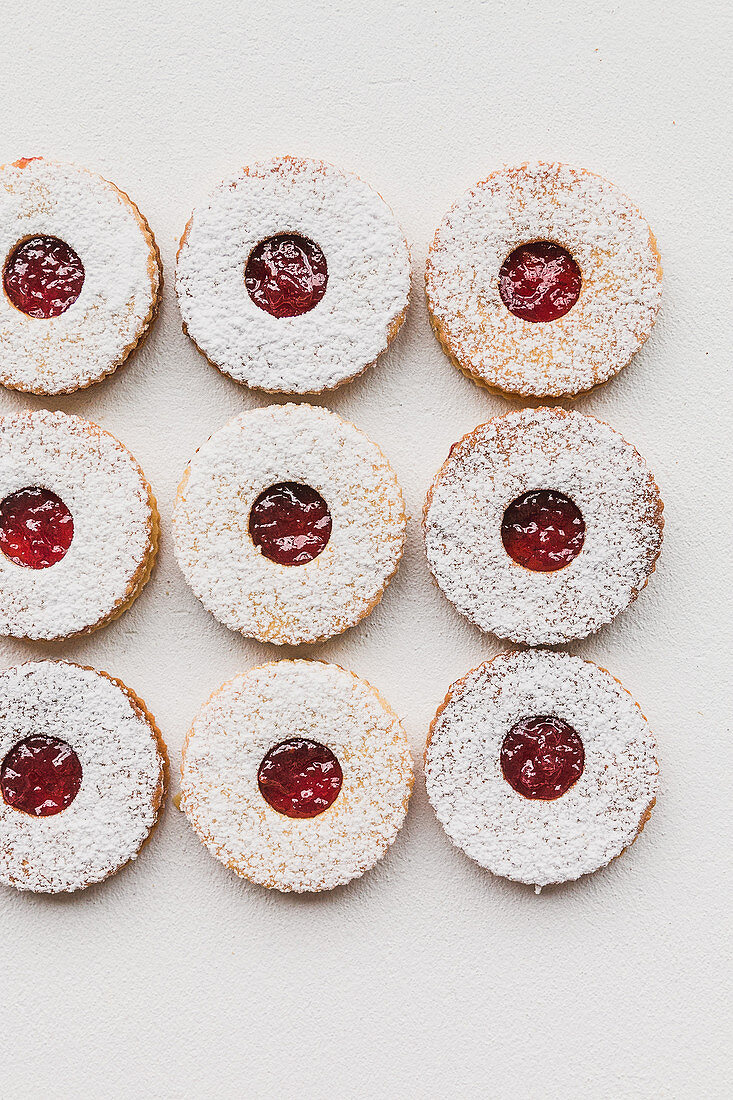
(290, 523)
(539, 281)
(300, 778)
(542, 757)
(36, 528)
(543, 530)
(286, 275)
(40, 776)
(43, 276)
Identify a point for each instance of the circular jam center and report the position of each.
(300, 778)
(40, 776)
(543, 530)
(539, 281)
(290, 523)
(286, 275)
(36, 528)
(542, 757)
(43, 276)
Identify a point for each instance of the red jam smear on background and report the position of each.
(36, 528)
(40, 776)
(286, 275)
(542, 757)
(300, 778)
(539, 281)
(543, 530)
(43, 276)
(290, 523)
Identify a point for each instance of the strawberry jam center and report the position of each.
(286, 275)
(36, 528)
(43, 276)
(543, 530)
(300, 778)
(539, 281)
(40, 776)
(542, 757)
(290, 523)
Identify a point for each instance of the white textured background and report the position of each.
(427, 978)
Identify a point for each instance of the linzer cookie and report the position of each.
(288, 524)
(81, 276)
(543, 280)
(83, 773)
(293, 276)
(541, 767)
(78, 526)
(542, 525)
(296, 775)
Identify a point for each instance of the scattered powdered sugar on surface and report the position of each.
(122, 786)
(261, 708)
(114, 524)
(121, 277)
(574, 454)
(233, 579)
(608, 238)
(368, 276)
(534, 841)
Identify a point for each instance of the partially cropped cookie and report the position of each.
(541, 767)
(81, 276)
(293, 276)
(543, 280)
(83, 774)
(297, 775)
(78, 526)
(543, 525)
(288, 524)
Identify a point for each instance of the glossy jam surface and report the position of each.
(539, 281)
(290, 523)
(286, 275)
(542, 757)
(40, 776)
(43, 276)
(543, 530)
(36, 528)
(300, 778)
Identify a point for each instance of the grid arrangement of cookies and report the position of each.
(541, 526)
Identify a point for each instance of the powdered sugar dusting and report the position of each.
(543, 449)
(259, 709)
(121, 277)
(534, 841)
(608, 239)
(115, 524)
(368, 276)
(123, 777)
(233, 579)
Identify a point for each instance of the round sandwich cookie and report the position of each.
(541, 767)
(81, 276)
(78, 526)
(297, 775)
(542, 525)
(293, 276)
(543, 280)
(83, 775)
(288, 524)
